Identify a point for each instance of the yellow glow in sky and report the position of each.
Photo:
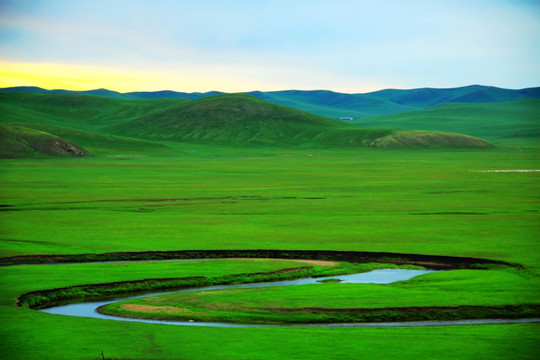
(83, 77)
(186, 78)
(72, 77)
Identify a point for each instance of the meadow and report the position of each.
(509, 123)
(206, 197)
(233, 172)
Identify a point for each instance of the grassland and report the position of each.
(514, 123)
(221, 198)
(412, 202)
(150, 193)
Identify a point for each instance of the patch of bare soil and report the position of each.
(318, 262)
(302, 261)
(154, 309)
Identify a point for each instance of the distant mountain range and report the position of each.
(333, 104)
(165, 94)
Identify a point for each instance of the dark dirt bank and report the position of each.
(430, 261)
(420, 313)
(357, 315)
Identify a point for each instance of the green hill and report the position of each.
(235, 119)
(390, 101)
(98, 143)
(81, 112)
(334, 104)
(428, 97)
(21, 142)
(239, 119)
(518, 119)
(80, 118)
(107, 125)
(399, 139)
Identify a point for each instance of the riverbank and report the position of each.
(431, 261)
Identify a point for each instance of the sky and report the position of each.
(351, 46)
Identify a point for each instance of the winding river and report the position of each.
(384, 276)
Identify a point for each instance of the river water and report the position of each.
(383, 276)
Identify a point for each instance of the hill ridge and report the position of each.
(335, 104)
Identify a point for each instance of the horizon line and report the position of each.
(265, 91)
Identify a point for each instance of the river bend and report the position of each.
(383, 276)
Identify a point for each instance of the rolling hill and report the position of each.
(108, 125)
(102, 144)
(21, 142)
(229, 119)
(240, 120)
(390, 101)
(519, 119)
(334, 104)
(81, 112)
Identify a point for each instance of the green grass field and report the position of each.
(429, 202)
(419, 202)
